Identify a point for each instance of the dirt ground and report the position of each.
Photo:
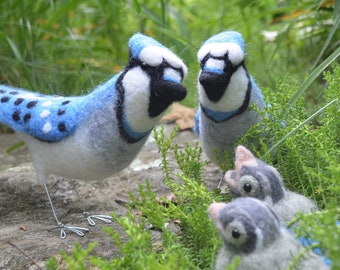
(25, 215)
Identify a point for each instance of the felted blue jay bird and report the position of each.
(96, 135)
(251, 230)
(226, 90)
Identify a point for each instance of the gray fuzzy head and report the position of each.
(254, 178)
(245, 224)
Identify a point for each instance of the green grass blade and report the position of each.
(15, 49)
(136, 6)
(14, 147)
(315, 73)
(329, 38)
(301, 124)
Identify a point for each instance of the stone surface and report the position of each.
(25, 215)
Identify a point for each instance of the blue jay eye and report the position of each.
(247, 187)
(235, 234)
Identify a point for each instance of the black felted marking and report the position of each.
(2, 91)
(18, 101)
(216, 84)
(31, 104)
(65, 102)
(27, 117)
(13, 93)
(62, 127)
(4, 99)
(60, 112)
(163, 92)
(16, 116)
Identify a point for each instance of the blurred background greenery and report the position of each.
(67, 47)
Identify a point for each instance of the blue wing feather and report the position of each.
(49, 118)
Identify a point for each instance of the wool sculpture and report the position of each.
(251, 230)
(226, 92)
(96, 135)
(254, 178)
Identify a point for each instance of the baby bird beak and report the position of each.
(230, 178)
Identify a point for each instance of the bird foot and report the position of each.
(90, 218)
(63, 229)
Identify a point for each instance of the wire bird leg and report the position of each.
(105, 218)
(63, 229)
(90, 218)
(220, 182)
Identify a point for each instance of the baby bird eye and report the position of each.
(235, 234)
(247, 187)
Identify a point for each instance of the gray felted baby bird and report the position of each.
(255, 178)
(251, 230)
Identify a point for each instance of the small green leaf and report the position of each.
(136, 6)
(15, 49)
(315, 73)
(14, 147)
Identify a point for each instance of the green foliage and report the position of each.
(198, 235)
(78, 260)
(67, 47)
(301, 146)
(188, 237)
(307, 157)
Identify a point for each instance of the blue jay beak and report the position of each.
(216, 80)
(166, 90)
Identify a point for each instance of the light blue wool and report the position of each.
(55, 110)
(139, 41)
(227, 36)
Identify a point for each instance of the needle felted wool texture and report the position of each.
(251, 230)
(254, 178)
(226, 90)
(96, 135)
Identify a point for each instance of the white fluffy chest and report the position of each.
(90, 153)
